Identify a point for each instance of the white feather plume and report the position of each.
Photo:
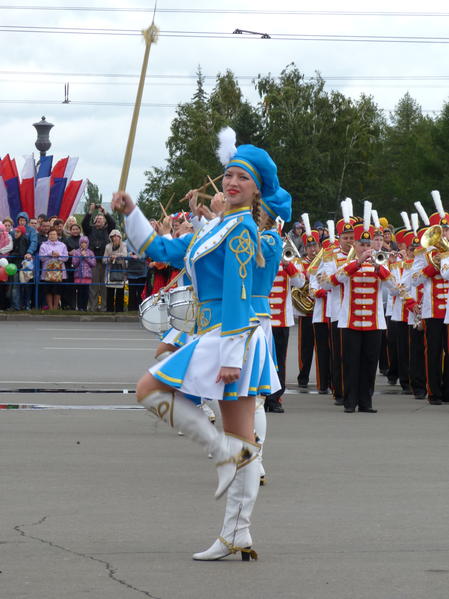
(346, 211)
(438, 203)
(226, 145)
(375, 218)
(366, 214)
(406, 221)
(350, 206)
(422, 213)
(415, 222)
(331, 229)
(306, 221)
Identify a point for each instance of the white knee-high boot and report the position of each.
(260, 426)
(179, 413)
(240, 500)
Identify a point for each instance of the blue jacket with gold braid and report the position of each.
(220, 261)
(271, 245)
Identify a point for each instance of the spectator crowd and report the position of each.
(82, 267)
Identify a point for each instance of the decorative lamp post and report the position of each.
(43, 142)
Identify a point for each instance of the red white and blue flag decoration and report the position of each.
(45, 190)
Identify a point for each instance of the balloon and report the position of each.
(3, 262)
(11, 269)
(3, 274)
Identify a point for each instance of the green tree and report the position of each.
(92, 195)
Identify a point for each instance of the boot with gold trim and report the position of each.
(181, 414)
(241, 497)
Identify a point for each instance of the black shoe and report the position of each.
(368, 410)
(420, 394)
(323, 391)
(339, 402)
(384, 371)
(349, 410)
(302, 384)
(435, 402)
(392, 381)
(406, 391)
(274, 407)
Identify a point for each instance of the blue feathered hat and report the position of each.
(275, 200)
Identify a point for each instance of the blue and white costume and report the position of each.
(220, 261)
(271, 246)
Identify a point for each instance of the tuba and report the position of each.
(433, 237)
(302, 300)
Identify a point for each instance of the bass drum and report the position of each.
(153, 313)
(182, 309)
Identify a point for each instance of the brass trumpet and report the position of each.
(290, 251)
(380, 257)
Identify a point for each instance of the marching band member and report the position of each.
(271, 246)
(306, 339)
(377, 243)
(400, 313)
(229, 358)
(361, 319)
(320, 319)
(417, 367)
(288, 275)
(435, 290)
(332, 262)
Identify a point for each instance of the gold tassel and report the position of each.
(243, 296)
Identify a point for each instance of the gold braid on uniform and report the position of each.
(257, 207)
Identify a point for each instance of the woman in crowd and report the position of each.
(229, 358)
(53, 254)
(115, 274)
(6, 244)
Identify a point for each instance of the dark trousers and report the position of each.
(135, 288)
(383, 358)
(82, 293)
(336, 361)
(417, 361)
(280, 336)
(403, 353)
(392, 351)
(114, 299)
(305, 348)
(323, 355)
(361, 351)
(437, 359)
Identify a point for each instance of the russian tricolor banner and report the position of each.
(41, 190)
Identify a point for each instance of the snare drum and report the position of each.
(182, 309)
(153, 312)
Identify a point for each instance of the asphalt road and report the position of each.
(99, 501)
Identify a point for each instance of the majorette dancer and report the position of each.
(229, 359)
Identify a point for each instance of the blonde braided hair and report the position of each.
(257, 215)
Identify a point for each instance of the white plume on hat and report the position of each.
(306, 221)
(375, 217)
(406, 221)
(350, 206)
(226, 145)
(331, 229)
(422, 213)
(346, 211)
(415, 222)
(366, 214)
(438, 203)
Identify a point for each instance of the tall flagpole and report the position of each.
(150, 36)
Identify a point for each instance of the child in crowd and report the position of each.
(83, 261)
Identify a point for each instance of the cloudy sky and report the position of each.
(102, 69)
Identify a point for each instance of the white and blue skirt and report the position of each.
(193, 368)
